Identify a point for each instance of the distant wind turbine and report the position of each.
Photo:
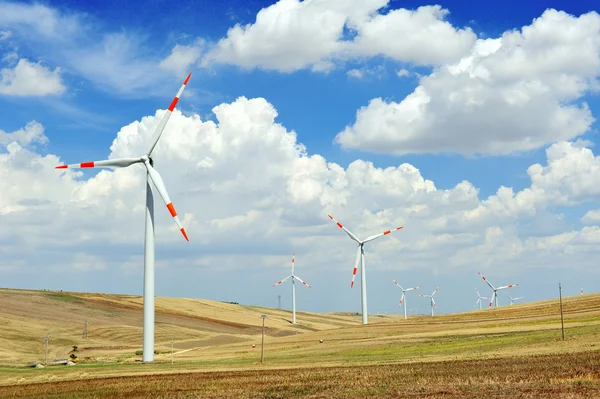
(494, 299)
(403, 298)
(293, 277)
(512, 300)
(360, 257)
(432, 301)
(480, 298)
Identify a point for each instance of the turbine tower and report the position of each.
(360, 257)
(512, 300)
(403, 298)
(494, 299)
(432, 302)
(581, 291)
(480, 298)
(151, 176)
(293, 277)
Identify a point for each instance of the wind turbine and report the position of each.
(403, 298)
(360, 257)
(479, 299)
(433, 305)
(512, 300)
(293, 277)
(151, 175)
(495, 294)
(581, 291)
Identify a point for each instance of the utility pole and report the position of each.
(85, 330)
(262, 346)
(562, 322)
(47, 338)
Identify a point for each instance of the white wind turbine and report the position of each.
(432, 302)
(581, 291)
(360, 257)
(480, 298)
(293, 277)
(512, 300)
(403, 298)
(151, 175)
(494, 299)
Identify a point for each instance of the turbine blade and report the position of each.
(395, 282)
(484, 279)
(303, 282)
(436, 290)
(345, 229)
(412, 288)
(358, 252)
(508, 286)
(109, 163)
(433, 301)
(162, 190)
(492, 299)
(281, 281)
(293, 262)
(402, 299)
(163, 122)
(382, 234)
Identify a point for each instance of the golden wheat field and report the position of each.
(204, 349)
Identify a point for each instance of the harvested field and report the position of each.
(565, 376)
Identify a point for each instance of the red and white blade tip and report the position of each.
(173, 213)
(81, 165)
(389, 231)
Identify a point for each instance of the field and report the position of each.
(511, 351)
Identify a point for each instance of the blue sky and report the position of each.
(109, 58)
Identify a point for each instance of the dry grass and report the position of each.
(568, 376)
(471, 354)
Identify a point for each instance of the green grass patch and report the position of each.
(63, 297)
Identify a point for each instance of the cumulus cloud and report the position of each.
(182, 57)
(591, 217)
(244, 186)
(30, 79)
(514, 93)
(291, 35)
(33, 132)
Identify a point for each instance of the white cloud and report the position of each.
(376, 71)
(291, 35)
(33, 132)
(514, 93)
(419, 36)
(403, 72)
(114, 61)
(591, 217)
(182, 57)
(244, 185)
(30, 79)
(5, 34)
(355, 73)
